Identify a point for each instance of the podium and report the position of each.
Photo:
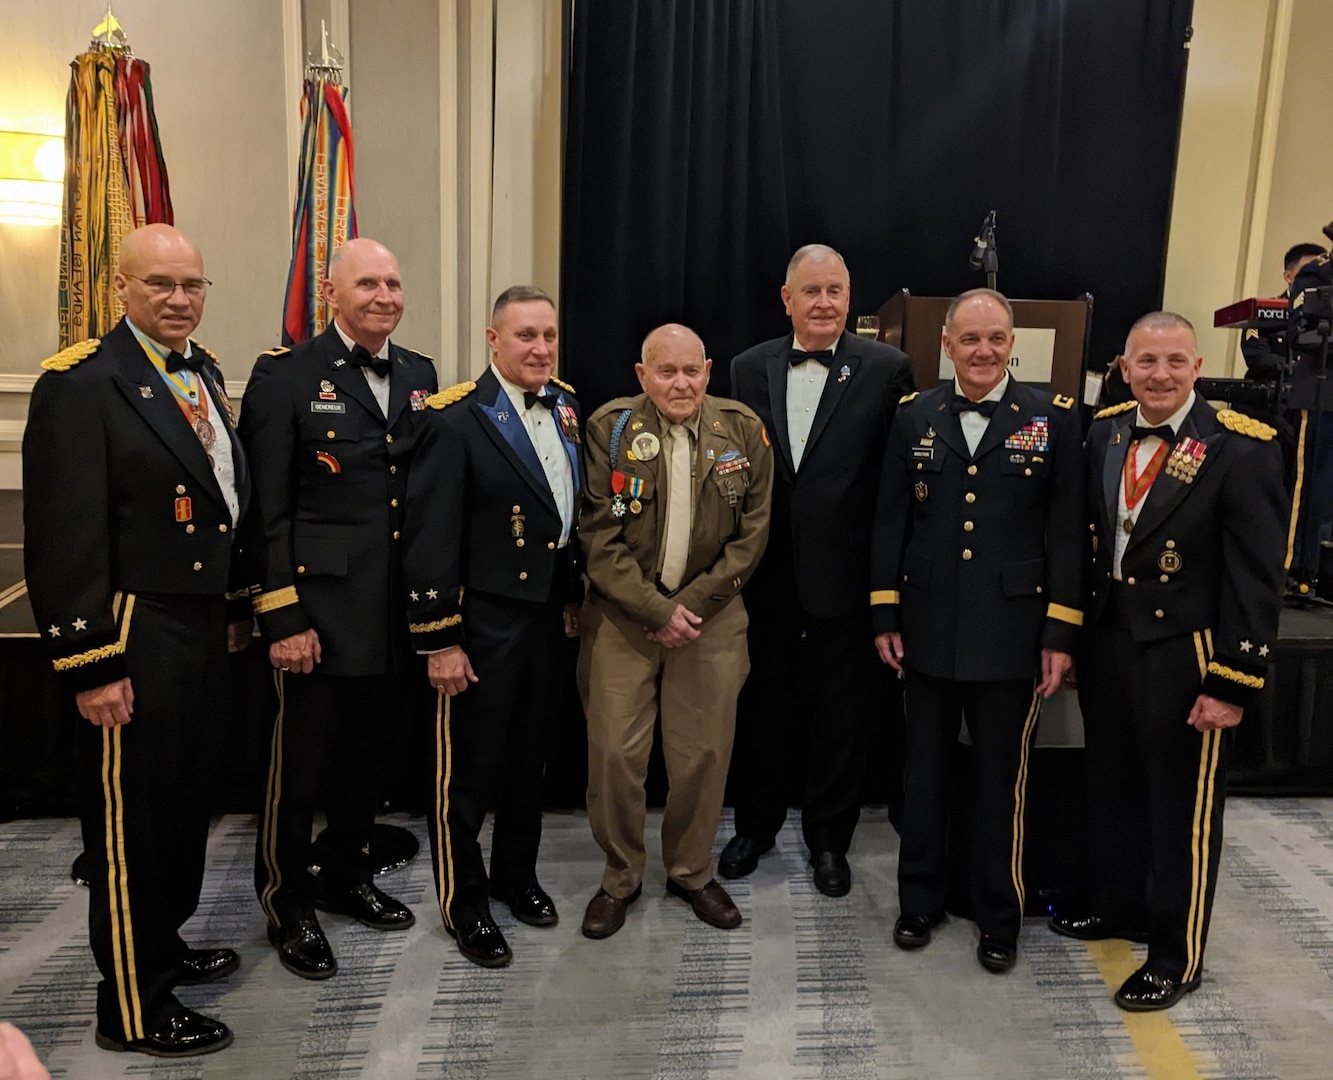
(1053, 355)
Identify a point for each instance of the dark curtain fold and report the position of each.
(707, 139)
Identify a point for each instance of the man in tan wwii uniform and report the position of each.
(674, 519)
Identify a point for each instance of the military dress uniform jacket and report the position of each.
(330, 482)
(1205, 554)
(121, 499)
(733, 478)
(481, 514)
(828, 506)
(976, 557)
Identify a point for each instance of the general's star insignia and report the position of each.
(54, 631)
(1246, 646)
(80, 624)
(414, 597)
(1263, 650)
(432, 594)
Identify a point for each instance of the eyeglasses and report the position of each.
(163, 288)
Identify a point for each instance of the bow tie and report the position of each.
(960, 404)
(824, 356)
(1162, 431)
(175, 361)
(361, 358)
(530, 399)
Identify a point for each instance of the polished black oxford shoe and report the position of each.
(741, 856)
(1093, 928)
(482, 943)
(833, 877)
(913, 931)
(303, 948)
(530, 905)
(996, 954)
(187, 1034)
(1145, 992)
(366, 904)
(205, 965)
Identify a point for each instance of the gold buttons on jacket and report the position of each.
(1159, 613)
(968, 526)
(1027, 472)
(300, 569)
(222, 528)
(396, 534)
(1170, 544)
(1129, 581)
(971, 470)
(517, 509)
(550, 545)
(393, 503)
(522, 575)
(198, 566)
(180, 489)
(970, 497)
(388, 438)
(518, 542)
(393, 469)
(967, 553)
(331, 434)
(1164, 578)
(189, 528)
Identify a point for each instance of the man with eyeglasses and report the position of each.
(327, 426)
(134, 482)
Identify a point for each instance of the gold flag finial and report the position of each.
(109, 34)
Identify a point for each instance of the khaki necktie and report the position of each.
(676, 547)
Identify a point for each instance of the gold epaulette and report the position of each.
(75, 355)
(908, 397)
(283, 351)
(205, 350)
(563, 385)
(448, 396)
(1116, 410)
(1246, 425)
(1062, 402)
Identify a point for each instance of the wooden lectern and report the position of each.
(914, 323)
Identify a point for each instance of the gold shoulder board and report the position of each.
(73, 356)
(563, 385)
(1246, 425)
(205, 350)
(1062, 402)
(424, 356)
(448, 396)
(1116, 410)
(908, 397)
(276, 352)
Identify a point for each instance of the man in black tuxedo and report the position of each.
(827, 399)
(134, 482)
(492, 588)
(1185, 521)
(975, 574)
(327, 425)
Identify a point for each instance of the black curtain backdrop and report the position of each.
(707, 139)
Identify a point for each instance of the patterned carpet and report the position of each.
(808, 987)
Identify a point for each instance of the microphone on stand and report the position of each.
(982, 242)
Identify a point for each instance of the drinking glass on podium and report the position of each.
(867, 326)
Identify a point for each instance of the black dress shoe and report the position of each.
(1146, 992)
(833, 877)
(530, 905)
(366, 904)
(741, 856)
(913, 931)
(303, 948)
(205, 965)
(482, 943)
(1093, 928)
(187, 1034)
(996, 954)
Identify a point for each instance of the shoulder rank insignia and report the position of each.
(562, 384)
(1062, 402)
(451, 394)
(73, 356)
(1116, 410)
(908, 397)
(1251, 334)
(283, 351)
(1246, 425)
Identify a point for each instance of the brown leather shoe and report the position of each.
(606, 913)
(711, 903)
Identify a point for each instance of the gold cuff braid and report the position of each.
(270, 601)
(1254, 682)
(438, 624)
(883, 596)
(102, 652)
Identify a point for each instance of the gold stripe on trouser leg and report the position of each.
(1296, 491)
(1200, 838)
(444, 853)
(272, 799)
(1020, 799)
(118, 888)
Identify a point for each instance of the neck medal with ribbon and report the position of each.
(193, 402)
(1185, 460)
(1137, 485)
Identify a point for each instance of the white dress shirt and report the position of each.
(805, 386)
(379, 384)
(543, 430)
(973, 423)
(1143, 452)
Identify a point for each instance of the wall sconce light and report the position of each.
(32, 172)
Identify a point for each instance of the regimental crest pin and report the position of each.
(325, 387)
(844, 374)
(146, 392)
(921, 491)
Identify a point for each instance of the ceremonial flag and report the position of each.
(325, 211)
(115, 178)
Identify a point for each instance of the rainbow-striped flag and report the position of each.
(325, 211)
